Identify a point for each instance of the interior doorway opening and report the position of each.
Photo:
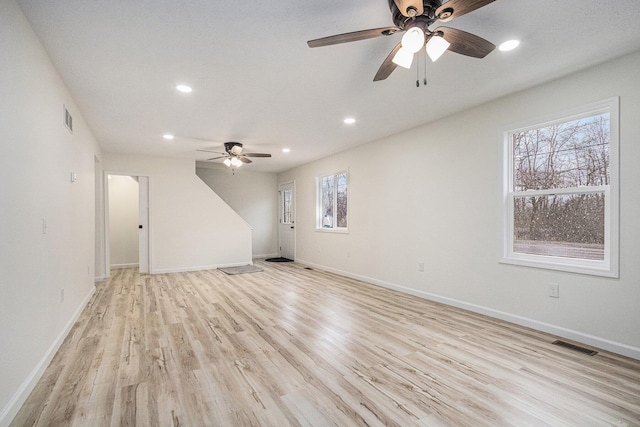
(126, 222)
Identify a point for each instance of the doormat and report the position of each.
(241, 269)
(279, 259)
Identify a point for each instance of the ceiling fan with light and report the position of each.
(233, 155)
(413, 17)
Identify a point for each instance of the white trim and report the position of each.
(336, 229)
(609, 266)
(262, 256)
(199, 268)
(560, 331)
(340, 230)
(129, 265)
(20, 396)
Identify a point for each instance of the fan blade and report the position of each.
(352, 37)
(216, 158)
(455, 8)
(243, 159)
(256, 155)
(209, 151)
(388, 65)
(410, 8)
(466, 43)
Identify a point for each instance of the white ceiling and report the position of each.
(255, 80)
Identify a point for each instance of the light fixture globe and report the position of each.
(403, 58)
(413, 39)
(436, 46)
(227, 162)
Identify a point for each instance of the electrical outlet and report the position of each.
(62, 295)
(421, 267)
(554, 290)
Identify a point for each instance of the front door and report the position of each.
(286, 231)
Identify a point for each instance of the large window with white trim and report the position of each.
(332, 202)
(561, 192)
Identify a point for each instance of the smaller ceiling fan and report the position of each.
(233, 155)
(413, 17)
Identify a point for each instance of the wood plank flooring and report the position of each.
(294, 347)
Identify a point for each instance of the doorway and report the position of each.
(286, 222)
(126, 222)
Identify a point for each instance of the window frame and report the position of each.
(335, 229)
(609, 266)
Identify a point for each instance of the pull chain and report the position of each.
(425, 70)
(418, 72)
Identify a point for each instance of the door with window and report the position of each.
(286, 231)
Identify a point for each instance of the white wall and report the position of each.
(37, 156)
(123, 221)
(254, 196)
(190, 226)
(433, 194)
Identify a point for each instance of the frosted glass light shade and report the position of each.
(227, 162)
(436, 46)
(403, 58)
(413, 39)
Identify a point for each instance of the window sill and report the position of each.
(333, 230)
(592, 268)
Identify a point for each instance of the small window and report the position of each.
(332, 202)
(561, 192)
(286, 206)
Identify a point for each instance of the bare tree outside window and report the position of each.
(560, 176)
(341, 200)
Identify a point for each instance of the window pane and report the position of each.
(569, 225)
(327, 201)
(286, 207)
(341, 200)
(569, 154)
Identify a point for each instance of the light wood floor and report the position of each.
(290, 346)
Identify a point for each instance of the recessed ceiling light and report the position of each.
(286, 150)
(509, 45)
(184, 88)
(349, 120)
(168, 136)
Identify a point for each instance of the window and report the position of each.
(286, 206)
(332, 202)
(561, 192)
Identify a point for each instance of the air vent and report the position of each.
(68, 120)
(575, 347)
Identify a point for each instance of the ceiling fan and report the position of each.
(413, 17)
(233, 155)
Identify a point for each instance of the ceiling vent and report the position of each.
(68, 120)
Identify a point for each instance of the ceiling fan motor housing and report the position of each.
(233, 147)
(428, 17)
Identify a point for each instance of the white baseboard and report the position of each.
(99, 278)
(265, 256)
(581, 337)
(20, 396)
(129, 265)
(199, 268)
